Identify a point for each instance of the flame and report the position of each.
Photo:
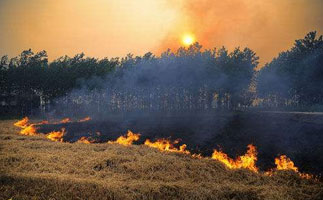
(166, 145)
(29, 130)
(26, 129)
(285, 163)
(247, 161)
(65, 120)
(22, 123)
(86, 140)
(126, 140)
(199, 156)
(56, 136)
(85, 119)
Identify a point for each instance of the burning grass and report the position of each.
(56, 135)
(284, 163)
(167, 145)
(22, 123)
(126, 140)
(86, 140)
(247, 161)
(65, 120)
(36, 168)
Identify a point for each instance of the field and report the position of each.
(33, 167)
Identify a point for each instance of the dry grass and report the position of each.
(32, 167)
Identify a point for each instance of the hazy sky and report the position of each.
(111, 28)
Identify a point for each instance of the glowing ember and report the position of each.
(199, 156)
(85, 119)
(166, 145)
(86, 140)
(56, 135)
(247, 161)
(29, 130)
(42, 122)
(22, 123)
(126, 140)
(65, 120)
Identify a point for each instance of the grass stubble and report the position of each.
(33, 167)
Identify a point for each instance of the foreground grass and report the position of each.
(36, 168)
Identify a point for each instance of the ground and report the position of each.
(32, 167)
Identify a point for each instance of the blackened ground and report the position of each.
(297, 135)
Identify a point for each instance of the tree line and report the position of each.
(189, 79)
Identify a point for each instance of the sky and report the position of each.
(114, 28)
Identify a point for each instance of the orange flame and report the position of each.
(247, 161)
(65, 120)
(56, 136)
(85, 119)
(25, 128)
(85, 140)
(166, 145)
(126, 140)
(29, 130)
(199, 156)
(22, 123)
(285, 163)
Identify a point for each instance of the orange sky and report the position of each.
(111, 28)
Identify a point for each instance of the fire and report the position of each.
(65, 120)
(42, 122)
(22, 123)
(166, 145)
(29, 130)
(26, 129)
(285, 163)
(199, 156)
(86, 140)
(85, 119)
(126, 140)
(247, 161)
(56, 136)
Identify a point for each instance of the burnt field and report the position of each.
(297, 135)
(33, 167)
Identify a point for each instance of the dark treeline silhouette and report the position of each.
(190, 79)
(295, 77)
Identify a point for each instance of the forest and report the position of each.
(189, 79)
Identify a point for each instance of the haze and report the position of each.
(109, 28)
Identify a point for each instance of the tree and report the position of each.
(295, 77)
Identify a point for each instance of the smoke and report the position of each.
(163, 96)
(170, 97)
(152, 96)
(267, 27)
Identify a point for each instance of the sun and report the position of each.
(188, 39)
